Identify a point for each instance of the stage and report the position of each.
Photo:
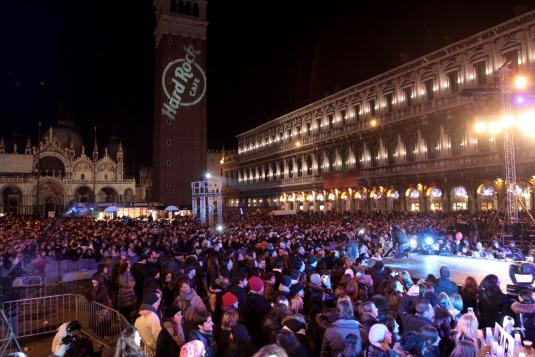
(420, 265)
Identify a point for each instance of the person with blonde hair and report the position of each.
(464, 349)
(296, 304)
(129, 344)
(334, 337)
(468, 330)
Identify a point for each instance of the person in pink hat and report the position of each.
(257, 307)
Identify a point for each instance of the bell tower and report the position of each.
(179, 135)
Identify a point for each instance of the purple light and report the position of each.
(519, 99)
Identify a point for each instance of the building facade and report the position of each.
(401, 141)
(179, 135)
(58, 172)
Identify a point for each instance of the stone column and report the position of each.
(210, 200)
(202, 208)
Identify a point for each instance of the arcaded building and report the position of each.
(404, 140)
(59, 172)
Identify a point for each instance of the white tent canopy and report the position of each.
(110, 209)
(282, 212)
(171, 208)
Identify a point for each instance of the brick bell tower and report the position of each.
(179, 142)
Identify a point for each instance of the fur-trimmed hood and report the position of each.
(521, 308)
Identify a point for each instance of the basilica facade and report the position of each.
(58, 173)
(405, 140)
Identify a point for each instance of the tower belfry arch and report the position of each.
(206, 197)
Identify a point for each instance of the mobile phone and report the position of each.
(470, 310)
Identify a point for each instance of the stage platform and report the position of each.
(420, 265)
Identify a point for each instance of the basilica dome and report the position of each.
(67, 136)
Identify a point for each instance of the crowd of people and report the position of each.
(300, 285)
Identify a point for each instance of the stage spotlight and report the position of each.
(413, 243)
(429, 240)
(362, 231)
(219, 228)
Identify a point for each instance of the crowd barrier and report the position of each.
(8, 341)
(43, 315)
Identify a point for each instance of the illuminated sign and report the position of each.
(183, 83)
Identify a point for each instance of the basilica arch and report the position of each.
(108, 194)
(11, 199)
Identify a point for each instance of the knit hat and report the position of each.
(377, 333)
(315, 279)
(172, 311)
(294, 275)
(286, 281)
(256, 284)
(240, 333)
(193, 348)
(295, 289)
(150, 298)
(294, 324)
(229, 299)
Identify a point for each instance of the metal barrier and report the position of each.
(8, 341)
(43, 315)
(29, 290)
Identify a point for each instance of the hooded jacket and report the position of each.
(333, 340)
(526, 313)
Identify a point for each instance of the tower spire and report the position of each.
(95, 147)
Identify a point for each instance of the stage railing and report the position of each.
(43, 315)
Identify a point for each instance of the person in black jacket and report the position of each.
(493, 303)
(525, 308)
(240, 344)
(203, 333)
(171, 337)
(257, 307)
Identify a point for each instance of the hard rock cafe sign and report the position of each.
(183, 83)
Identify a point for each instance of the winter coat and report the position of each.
(100, 293)
(447, 286)
(166, 345)
(411, 322)
(334, 337)
(240, 349)
(469, 300)
(190, 304)
(526, 313)
(256, 308)
(373, 351)
(208, 340)
(126, 295)
(492, 309)
(148, 326)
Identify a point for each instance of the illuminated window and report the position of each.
(407, 94)
(372, 107)
(356, 110)
(343, 115)
(481, 73)
(453, 81)
(429, 89)
(389, 102)
(512, 56)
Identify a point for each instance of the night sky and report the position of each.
(92, 61)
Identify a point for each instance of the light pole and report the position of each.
(506, 124)
(504, 75)
(38, 167)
